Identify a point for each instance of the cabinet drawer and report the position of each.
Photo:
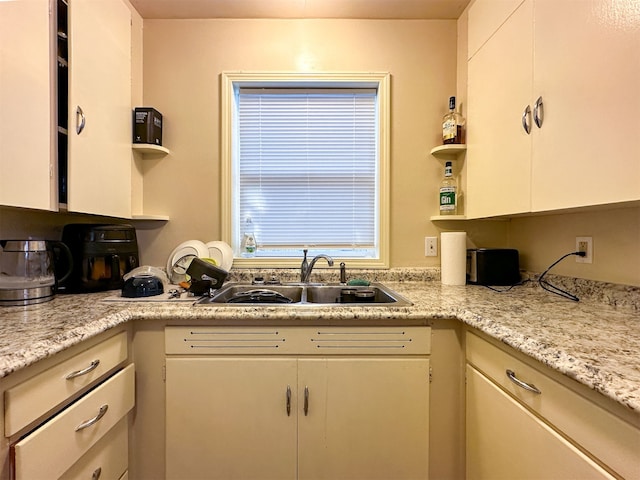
(298, 340)
(33, 398)
(606, 436)
(54, 447)
(106, 460)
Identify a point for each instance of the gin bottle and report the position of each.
(448, 192)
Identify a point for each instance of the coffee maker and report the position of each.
(102, 254)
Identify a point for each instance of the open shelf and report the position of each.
(450, 151)
(150, 149)
(155, 218)
(448, 217)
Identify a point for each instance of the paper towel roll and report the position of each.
(453, 258)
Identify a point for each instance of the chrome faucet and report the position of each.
(307, 267)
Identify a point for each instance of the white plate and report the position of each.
(222, 253)
(182, 256)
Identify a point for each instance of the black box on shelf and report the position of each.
(147, 126)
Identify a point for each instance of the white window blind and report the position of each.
(307, 170)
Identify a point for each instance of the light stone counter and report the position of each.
(590, 341)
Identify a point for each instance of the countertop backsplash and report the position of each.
(611, 294)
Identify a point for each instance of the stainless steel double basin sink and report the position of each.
(305, 294)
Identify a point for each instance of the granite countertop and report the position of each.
(591, 341)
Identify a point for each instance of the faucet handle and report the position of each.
(343, 273)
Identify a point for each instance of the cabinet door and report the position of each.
(500, 79)
(366, 418)
(587, 69)
(506, 441)
(100, 85)
(26, 105)
(227, 418)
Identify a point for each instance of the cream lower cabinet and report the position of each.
(504, 440)
(297, 403)
(552, 432)
(66, 417)
(67, 439)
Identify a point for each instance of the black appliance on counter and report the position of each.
(493, 266)
(102, 254)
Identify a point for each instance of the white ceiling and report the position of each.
(361, 9)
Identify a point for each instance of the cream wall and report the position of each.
(543, 239)
(183, 60)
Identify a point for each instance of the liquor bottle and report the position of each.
(448, 192)
(249, 244)
(453, 125)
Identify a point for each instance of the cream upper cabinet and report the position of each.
(99, 156)
(27, 173)
(498, 149)
(484, 20)
(587, 70)
(567, 72)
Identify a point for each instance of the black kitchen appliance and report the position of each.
(102, 254)
(493, 266)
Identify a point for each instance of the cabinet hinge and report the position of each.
(164, 373)
(430, 374)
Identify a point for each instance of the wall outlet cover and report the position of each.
(430, 246)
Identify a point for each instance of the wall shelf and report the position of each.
(447, 217)
(448, 152)
(155, 218)
(148, 149)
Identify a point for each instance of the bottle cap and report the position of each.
(452, 103)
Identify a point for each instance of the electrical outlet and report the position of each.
(430, 246)
(584, 244)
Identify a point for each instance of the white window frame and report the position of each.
(231, 82)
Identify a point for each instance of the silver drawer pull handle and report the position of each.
(94, 420)
(78, 373)
(306, 401)
(288, 400)
(527, 386)
(96, 473)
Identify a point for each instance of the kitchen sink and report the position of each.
(301, 294)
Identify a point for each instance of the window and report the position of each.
(305, 159)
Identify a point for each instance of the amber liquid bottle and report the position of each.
(453, 125)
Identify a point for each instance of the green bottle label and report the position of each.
(447, 199)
